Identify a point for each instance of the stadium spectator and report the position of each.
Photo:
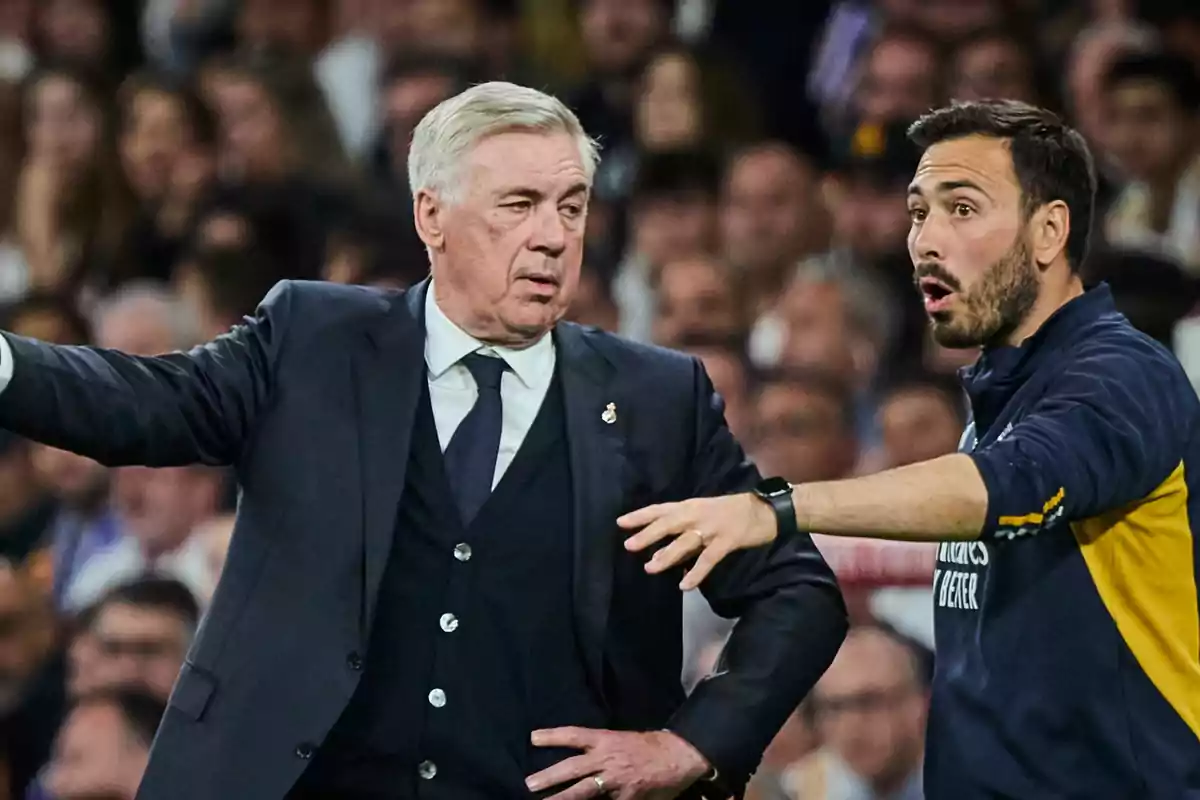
(869, 712)
(995, 64)
(803, 427)
(1154, 103)
(159, 509)
(728, 366)
(104, 746)
(698, 297)
(32, 672)
(771, 216)
(920, 417)
(900, 78)
(141, 631)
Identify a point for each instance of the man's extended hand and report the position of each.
(631, 766)
(714, 527)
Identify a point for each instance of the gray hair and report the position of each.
(141, 297)
(869, 310)
(447, 133)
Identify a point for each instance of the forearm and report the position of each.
(944, 498)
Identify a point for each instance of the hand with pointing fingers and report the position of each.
(658, 765)
(707, 528)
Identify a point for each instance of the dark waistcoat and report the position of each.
(473, 645)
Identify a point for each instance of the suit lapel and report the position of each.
(597, 458)
(387, 377)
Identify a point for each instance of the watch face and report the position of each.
(773, 487)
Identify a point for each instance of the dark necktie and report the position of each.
(471, 454)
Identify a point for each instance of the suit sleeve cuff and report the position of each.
(6, 363)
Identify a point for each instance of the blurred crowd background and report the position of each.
(164, 162)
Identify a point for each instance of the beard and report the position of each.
(994, 307)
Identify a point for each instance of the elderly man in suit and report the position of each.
(426, 593)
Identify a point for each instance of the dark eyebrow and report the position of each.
(949, 186)
(535, 196)
(578, 188)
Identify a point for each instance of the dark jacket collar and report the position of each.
(1000, 371)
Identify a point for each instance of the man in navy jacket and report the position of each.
(426, 594)
(1067, 625)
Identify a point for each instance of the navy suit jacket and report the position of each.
(312, 402)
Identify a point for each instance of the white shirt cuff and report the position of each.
(6, 363)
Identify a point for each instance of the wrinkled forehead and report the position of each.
(980, 164)
(548, 162)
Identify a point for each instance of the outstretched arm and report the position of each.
(169, 410)
(1110, 429)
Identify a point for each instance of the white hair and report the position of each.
(447, 133)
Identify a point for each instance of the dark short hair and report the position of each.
(1051, 160)
(916, 379)
(140, 710)
(199, 118)
(235, 279)
(1174, 73)
(159, 593)
(812, 381)
(677, 173)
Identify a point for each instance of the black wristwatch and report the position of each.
(777, 493)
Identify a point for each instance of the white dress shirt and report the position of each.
(6, 363)
(452, 389)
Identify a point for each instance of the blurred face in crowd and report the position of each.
(297, 25)
(506, 256)
(97, 756)
(138, 646)
(669, 110)
(160, 507)
(949, 20)
(992, 69)
(1150, 136)
(870, 709)
(819, 334)
(21, 650)
(75, 30)
(673, 226)
(696, 296)
(727, 371)
(770, 212)
(869, 217)
(802, 433)
(899, 81)
(917, 424)
(969, 244)
(75, 480)
(1091, 59)
(153, 141)
(141, 328)
(405, 101)
(255, 144)
(64, 125)
(448, 27)
(618, 34)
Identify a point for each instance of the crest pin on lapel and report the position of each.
(610, 414)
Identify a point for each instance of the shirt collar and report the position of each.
(446, 344)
